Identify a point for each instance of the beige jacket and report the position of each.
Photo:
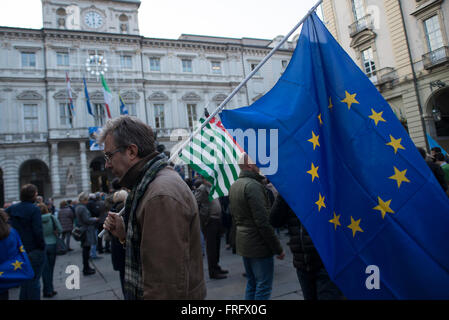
(172, 260)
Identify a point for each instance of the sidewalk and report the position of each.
(105, 284)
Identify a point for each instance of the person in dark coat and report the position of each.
(26, 218)
(117, 250)
(313, 277)
(436, 169)
(88, 225)
(66, 217)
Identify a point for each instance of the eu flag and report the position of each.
(353, 176)
(123, 108)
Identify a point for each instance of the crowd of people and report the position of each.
(167, 225)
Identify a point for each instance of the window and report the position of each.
(191, 114)
(28, 59)
(358, 9)
(64, 114)
(368, 62)
(433, 33)
(159, 118)
(131, 109)
(62, 58)
(30, 118)
(100, 114)
(155, 64)
(186, 65)
(253, 66)
(216, 67)
(126, 62)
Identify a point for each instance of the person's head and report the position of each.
(120, 196)
(4, 226)
(40, 199)
(63, 204)
(83, 197)
(92, 196)
(247, 164)
(28, 193)
(69, 202)
(43, 208)
(434, 151)
(126, 141)
(439, 158)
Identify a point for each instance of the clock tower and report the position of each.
(114, 16)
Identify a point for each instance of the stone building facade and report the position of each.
(166, 83)
(402, 45)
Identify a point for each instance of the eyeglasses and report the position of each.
(108, 155)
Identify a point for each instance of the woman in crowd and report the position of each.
(51, 229)
(66, 217)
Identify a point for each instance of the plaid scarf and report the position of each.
(133, 265)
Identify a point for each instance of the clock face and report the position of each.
(93, 19)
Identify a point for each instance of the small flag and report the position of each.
(214, 154)
(93, 144)
(123, 108)
(86, 94)
(69, 94)
(433, 143)
(107, 96)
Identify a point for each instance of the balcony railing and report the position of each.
(365, 23)
(436, 57)
(23, 137)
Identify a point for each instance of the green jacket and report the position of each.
(49, 225)
(249, 207)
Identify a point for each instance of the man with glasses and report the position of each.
(162, 231)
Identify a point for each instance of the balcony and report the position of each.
(29, 137)
(365, 23)
(385, 75)
(436, 58)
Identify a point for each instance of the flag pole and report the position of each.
(234, 92)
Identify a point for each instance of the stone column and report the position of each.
(54, 161)
(84, 168)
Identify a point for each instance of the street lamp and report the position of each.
(96, 65)
(436, 112)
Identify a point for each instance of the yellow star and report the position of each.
(1, 273)
(320, 203)
(21, 249)
(355, 226)
(399, 176)
(377, 116)
(17, 265)
(319, 118)
(350, 99)
(395, 143)
(313, 172)
(336, 221)
(314, 140)
(330, 103)
(383, 207)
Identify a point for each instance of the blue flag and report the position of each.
(86, 94)
(433, 143)
(349, 170)
(15, 267)
(123, 108)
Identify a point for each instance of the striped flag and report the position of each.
(214, 154)
(107, 96)
(69, 93)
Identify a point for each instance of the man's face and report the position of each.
(119, 162)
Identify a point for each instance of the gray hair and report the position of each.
(127, 130)
(83, 196)
(119, 196)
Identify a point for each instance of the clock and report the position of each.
(93, 20)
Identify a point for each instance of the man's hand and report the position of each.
(114, 224)
(281, 256)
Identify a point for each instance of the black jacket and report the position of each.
(438, 173)
(305, 256)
